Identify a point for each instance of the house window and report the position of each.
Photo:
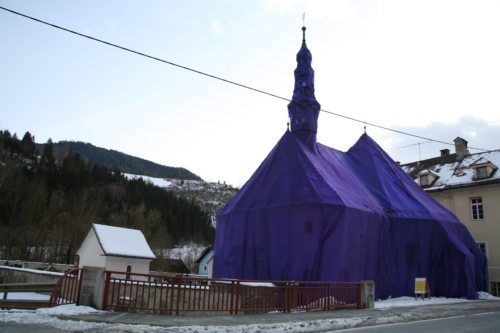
(424, 180)
(481, 172)
(129, 269)
(482, 247)
(495, 288)
(477, 208)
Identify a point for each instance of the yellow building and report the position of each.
(469, 186)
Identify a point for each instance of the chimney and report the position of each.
(445, 152)
(460, 148)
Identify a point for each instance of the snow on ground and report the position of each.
(31, 270)
(26, 295)
(67, 310)
(411, 301)
(160, 182)
(48, 317)
(486, 296)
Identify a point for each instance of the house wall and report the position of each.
(120, 264)
(210, 267)
(486, 230)
(204, 263)
(90, 252)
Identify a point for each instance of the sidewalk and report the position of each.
(296, 322)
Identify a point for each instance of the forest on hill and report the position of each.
(47, 204)
(112, 158)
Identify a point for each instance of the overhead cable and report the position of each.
(226, 80)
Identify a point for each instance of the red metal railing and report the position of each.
(67, 289)
(175, 295)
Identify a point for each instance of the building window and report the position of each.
(482, 247)
(477, 208)
(481, 172)
(424, 180)
(129, 269)
(495, 288)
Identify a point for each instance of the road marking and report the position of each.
(411, 322)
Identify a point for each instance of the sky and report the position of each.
(426, 67)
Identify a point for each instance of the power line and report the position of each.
(414, 144)
(225, 80)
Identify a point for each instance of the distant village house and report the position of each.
(205, 262)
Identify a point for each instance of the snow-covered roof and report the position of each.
(123, 242)
(458, 174)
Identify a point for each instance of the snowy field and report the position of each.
(48, 317)
(411, 301)
(160, 182)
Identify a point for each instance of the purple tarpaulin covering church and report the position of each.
(313, 213)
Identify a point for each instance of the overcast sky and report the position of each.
(427, 67)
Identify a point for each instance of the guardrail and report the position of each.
(6, 303)
(67, 289)
(176, 295)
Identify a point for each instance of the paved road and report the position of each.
(475, 316)
(483, 322)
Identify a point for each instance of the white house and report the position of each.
(205, 262)
(115, 249)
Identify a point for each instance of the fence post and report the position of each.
(179, 297)
(231, 298)
(80, 280)
(358, 294)
(327, 297)
(288, 296)
(107, 281)
(367, 294)
(237, 297)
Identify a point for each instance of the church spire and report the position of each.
(303, 110)
(304, 37)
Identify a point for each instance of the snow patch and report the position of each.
(160, 182)
(486, 296)
(26, 295)
(67, 310)
(411, 301)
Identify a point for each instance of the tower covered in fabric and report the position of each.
(314, 213)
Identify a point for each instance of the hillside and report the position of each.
(47, 205)
(112, 158)
(210, 196)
